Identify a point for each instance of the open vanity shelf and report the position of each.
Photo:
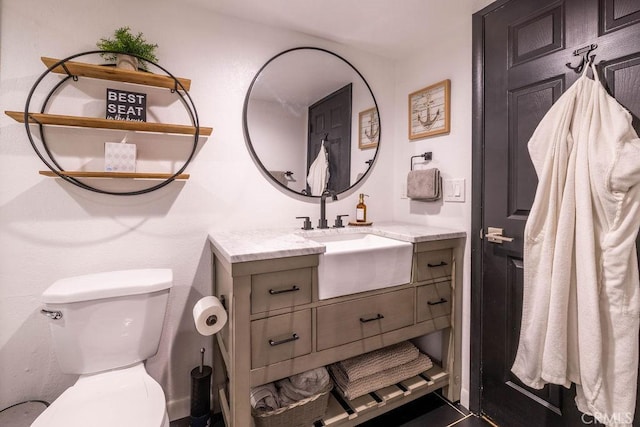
(74, 70)
(342, 412)
(258, 315)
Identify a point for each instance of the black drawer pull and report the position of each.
(282, 291)
(442, 301)
(284, 341)
(371, 319)
(442, 264)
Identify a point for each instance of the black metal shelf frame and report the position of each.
(53, 165)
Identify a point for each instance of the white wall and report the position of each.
(278, 135)
(50, 230)
(448, 56)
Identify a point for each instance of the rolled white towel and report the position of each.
(312, 381)
(265, 397)
(303, 385)
(287, 393)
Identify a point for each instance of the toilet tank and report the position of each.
(108, 320)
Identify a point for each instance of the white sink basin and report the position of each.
(361, 262)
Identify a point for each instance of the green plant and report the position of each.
(123, 41)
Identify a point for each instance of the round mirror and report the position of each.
(311, 121)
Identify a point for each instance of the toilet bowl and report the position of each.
(104, 326)
(123, 397)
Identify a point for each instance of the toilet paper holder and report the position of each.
(213, 319)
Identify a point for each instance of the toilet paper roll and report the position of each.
(209, 315)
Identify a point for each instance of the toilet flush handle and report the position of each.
(55, 315)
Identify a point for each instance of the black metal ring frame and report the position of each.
(178, 88)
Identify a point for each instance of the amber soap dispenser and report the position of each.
(361, 209)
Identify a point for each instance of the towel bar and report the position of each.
(426, 156)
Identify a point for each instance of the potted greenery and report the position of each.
(125, 44)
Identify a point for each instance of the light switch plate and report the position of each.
(403, 190)
(454, 190)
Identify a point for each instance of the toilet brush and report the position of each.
(200, 394)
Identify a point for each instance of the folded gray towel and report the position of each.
(376, 361)
(357, 388)
(265, 397)
(301, 386)
(424, 184)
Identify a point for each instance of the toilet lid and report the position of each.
(125, 397)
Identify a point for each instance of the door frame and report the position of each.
(477, 191)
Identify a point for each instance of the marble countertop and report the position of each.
(255, 245)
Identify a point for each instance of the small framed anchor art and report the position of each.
(429, 110)
(368, 129)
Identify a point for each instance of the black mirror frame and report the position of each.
(245, 127)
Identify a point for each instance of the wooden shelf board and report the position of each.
(365, 407)
(223, 351)
(335, 413)
(115, 74)
(130, 175)
(224, 406)
(94, 122)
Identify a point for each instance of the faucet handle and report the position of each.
(338, 222)
(307, 222)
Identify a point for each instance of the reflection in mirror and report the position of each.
(311, 121)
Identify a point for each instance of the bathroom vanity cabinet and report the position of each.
(278, 327)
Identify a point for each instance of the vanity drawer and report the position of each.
(433, 264)
(350, 321)
(280, 289)
(433, 302)
(280, 338)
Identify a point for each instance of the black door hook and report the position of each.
(586, 58)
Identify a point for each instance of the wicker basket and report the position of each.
(301, 413)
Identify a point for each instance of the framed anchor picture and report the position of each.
(368, 128)
(430, 111)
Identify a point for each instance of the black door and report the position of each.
(521, 48)
(331, 118)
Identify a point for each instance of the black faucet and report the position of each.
(307, 222)
(322, 222)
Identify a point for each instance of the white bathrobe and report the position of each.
(318, 176)
(581, 304)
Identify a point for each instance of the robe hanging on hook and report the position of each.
(586, 57)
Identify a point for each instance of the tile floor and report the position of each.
(184, 422)
(431, 410)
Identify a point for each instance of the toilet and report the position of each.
(104, 326)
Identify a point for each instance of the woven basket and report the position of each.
(301, 413)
